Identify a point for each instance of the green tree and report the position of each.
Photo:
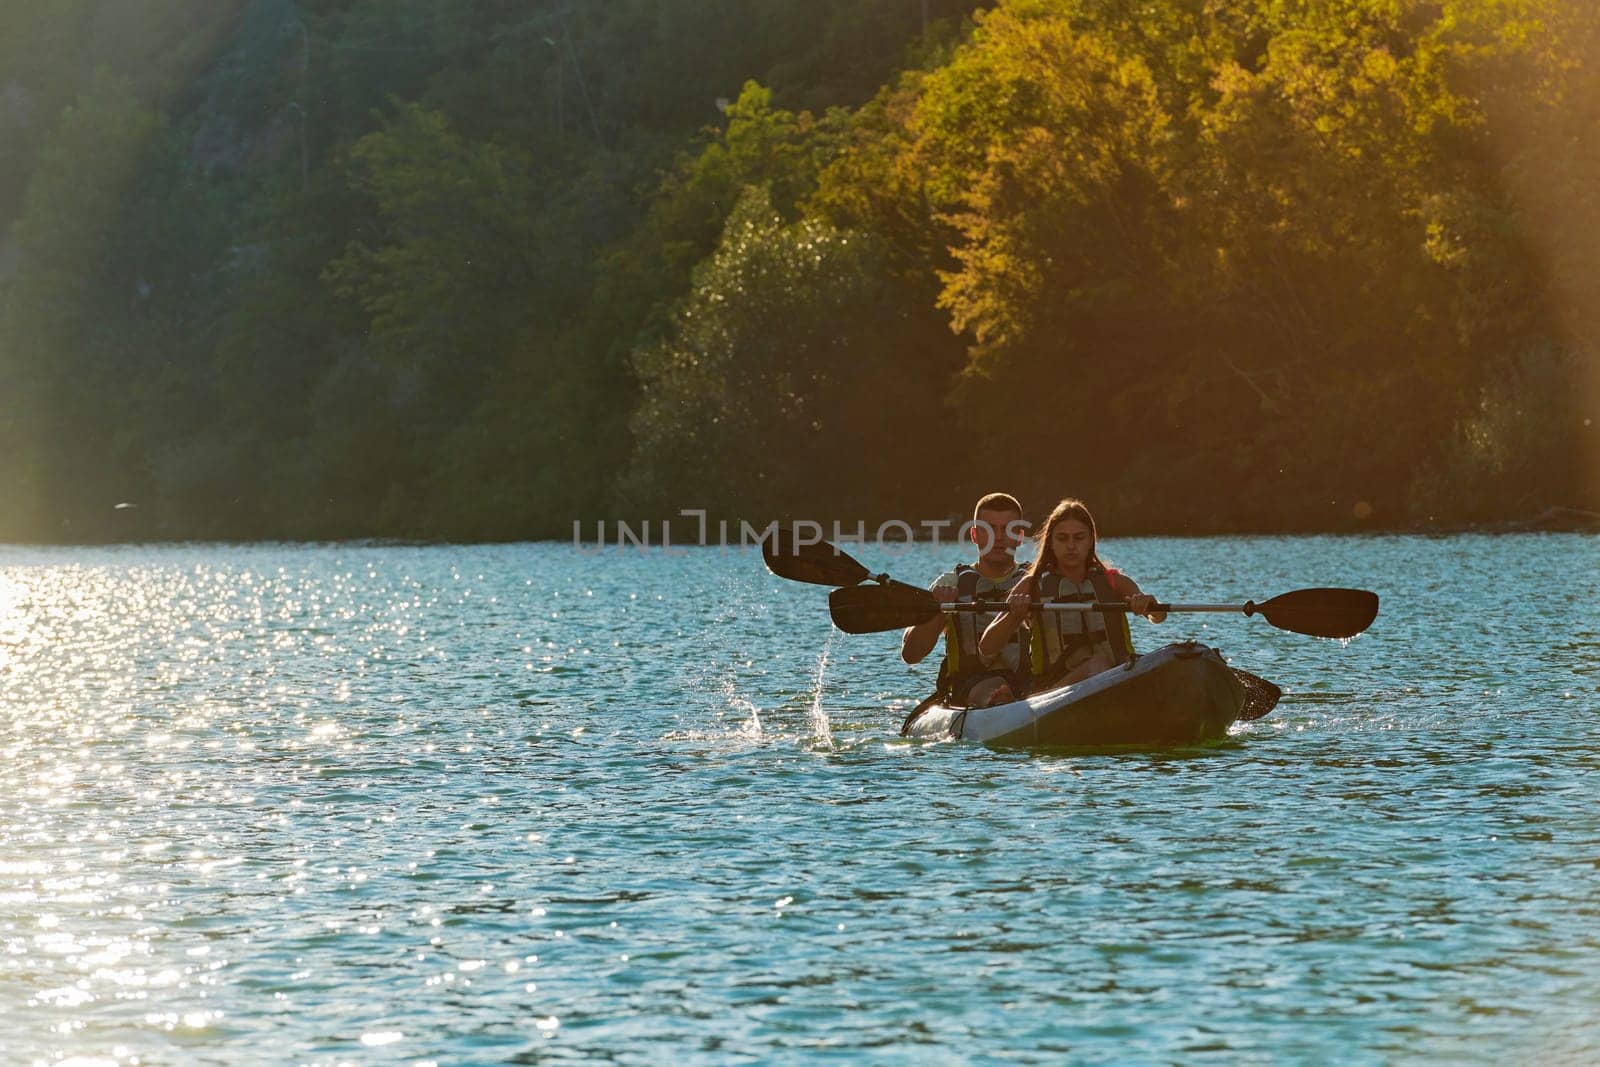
(790, 380)
(61, 336)
(1209, 233)
(456, 241)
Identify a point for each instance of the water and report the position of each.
(338, 804)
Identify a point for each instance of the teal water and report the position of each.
(514, 804)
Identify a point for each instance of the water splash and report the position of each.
(752, 725)
(821, 728)
(726, 687)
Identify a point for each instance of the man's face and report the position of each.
(1000, 539)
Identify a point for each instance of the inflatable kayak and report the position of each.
(1182, 694)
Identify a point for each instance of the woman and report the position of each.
(1069, 646)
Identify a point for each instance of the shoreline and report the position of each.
(1555, 520)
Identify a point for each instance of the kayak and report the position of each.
(1181, 694)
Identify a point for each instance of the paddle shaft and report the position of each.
(1335, 613)
(991, 606)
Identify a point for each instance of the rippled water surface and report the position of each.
(338, 804)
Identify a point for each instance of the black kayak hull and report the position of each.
(1180, 695)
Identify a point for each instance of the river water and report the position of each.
(515, 804)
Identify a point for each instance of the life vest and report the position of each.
(1060, 640)
(962, 629)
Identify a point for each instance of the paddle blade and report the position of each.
(1260, 695)
(818, 564)
(871, 609)
(1322, 612)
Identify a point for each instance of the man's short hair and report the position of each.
(997, 502)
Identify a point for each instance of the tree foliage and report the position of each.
(790, 360)
(1253, 240)
(449, 269)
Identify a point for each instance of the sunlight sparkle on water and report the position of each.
(310, 798)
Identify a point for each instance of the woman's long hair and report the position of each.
(1046, 558)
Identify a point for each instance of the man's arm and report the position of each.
(919, 640)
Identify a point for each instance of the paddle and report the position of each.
(1339, 613)
(870, 609)
(819, 564)
(891, 605)
(1260, 695)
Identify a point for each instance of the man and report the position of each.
(967, 678)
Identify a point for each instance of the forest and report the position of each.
(474, 270)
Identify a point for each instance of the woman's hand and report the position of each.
(1020, 600)
(1018, 603)
(1141, 603)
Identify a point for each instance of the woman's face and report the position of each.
(1072, 543)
